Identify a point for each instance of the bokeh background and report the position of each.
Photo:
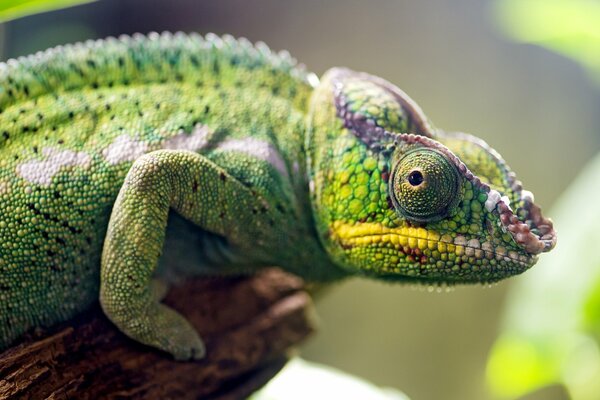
(537, 108)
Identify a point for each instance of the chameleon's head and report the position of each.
(396, 199)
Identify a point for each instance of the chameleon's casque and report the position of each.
(126, 159)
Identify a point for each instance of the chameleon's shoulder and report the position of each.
(152, 58)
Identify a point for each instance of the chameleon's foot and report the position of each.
(158, 326)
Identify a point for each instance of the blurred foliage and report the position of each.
(568, 27)
(11, 9)
(552, 324)
(301, 379)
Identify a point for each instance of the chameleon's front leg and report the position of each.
(158, 181)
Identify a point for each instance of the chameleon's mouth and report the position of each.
(414, 242)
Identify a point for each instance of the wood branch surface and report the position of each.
(248, 325)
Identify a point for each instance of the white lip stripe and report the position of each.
(257, 148)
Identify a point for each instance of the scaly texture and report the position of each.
(117, 155)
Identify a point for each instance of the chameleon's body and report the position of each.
(102, 143)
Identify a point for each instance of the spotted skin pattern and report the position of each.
(115, 154)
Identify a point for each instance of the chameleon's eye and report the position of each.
(424, 185)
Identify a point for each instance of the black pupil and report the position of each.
(415, 178)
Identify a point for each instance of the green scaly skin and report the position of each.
(128, 159)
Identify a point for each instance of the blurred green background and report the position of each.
(539, 109)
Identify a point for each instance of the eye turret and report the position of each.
(424, 185)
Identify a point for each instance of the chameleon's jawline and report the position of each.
(524, 260)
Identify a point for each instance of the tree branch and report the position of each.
(248, 325)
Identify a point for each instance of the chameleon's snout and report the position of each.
(534, 232)
(514, 206)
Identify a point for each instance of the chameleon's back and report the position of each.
(72, 121)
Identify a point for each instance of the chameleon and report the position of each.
(133, 160)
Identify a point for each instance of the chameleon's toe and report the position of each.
(156, 325)
(171, 332)
(185, 345)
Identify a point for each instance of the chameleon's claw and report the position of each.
(182, 343)
(195, 351)
(199, 352)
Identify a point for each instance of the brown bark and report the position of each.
(248, 325)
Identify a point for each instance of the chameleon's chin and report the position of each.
(456, 275)
(473, 272)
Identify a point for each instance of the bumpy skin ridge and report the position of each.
(104, 62)
(171, 155)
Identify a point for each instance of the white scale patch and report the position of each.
(257, 148)
(4, 187)
(492, 199)
(527, 196)
(313, 80)
(41, 172)
(506, 201)
(124, 148)
(193, 141)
